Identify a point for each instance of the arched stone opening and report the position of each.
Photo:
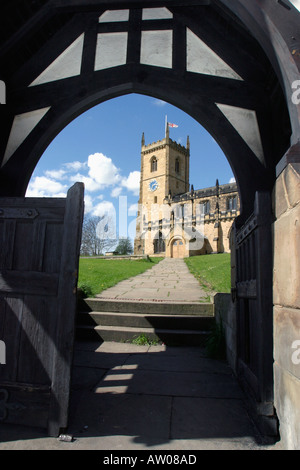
(227, 96)
(251, 89)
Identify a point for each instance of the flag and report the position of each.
(172, 125)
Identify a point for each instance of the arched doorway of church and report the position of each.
(178, 248)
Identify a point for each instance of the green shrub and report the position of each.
(86, 290)
(143, 340)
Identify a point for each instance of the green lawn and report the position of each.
(212, 271)
(96, 275)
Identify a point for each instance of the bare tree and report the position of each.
(98, 236)
(124, 247)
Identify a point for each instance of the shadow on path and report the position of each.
(156, 397)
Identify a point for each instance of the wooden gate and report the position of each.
(40, 245)
(255, 311)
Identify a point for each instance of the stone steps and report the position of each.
(121, 321)
(149, 307)
(139, 320)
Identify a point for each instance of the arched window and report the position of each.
(204, 207)
(177, 165)
(153, 164)
(232, 203)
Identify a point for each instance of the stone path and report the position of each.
(170, 281)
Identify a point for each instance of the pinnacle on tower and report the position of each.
(143, 139)
(167, 131)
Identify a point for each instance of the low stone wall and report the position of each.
(225, 311)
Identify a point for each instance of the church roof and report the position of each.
(206, 192)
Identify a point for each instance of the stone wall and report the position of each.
(286, 298)
(225, 312)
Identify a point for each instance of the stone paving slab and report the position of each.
(226, 418)
(164, 404)
(132, 380)
(169, 280)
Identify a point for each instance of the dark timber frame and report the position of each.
(257, 39)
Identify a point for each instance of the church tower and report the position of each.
(164, 171)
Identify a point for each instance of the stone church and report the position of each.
(175, 220)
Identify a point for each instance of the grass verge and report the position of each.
(96, 275)
(212, 271)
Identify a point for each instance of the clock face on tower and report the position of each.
(153, 185)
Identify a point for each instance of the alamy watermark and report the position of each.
(2, 92)
(296, 353)
(296, 93)
(2, 352)
(154, 222)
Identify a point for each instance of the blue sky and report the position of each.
(102, 148)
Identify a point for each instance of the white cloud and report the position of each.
(75, 166)
(104, 208)
(89, 183)
(56, 174)
(102, 170)
(132, 183)
(159, 103)
(88, 203)
(97, 174)
(132, 210)
(232, 180)
(116, 191)
(41, 186)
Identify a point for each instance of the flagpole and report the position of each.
(166, 121)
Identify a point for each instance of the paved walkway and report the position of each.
(170, 281)
(128, 397)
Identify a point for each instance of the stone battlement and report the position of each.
(161, 144)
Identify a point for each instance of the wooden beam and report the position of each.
(212, 88)
(28, 283)
(27, 29)
(120, 4)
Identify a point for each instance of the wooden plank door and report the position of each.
(178, 249)
(40, 246)
(255, 310)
